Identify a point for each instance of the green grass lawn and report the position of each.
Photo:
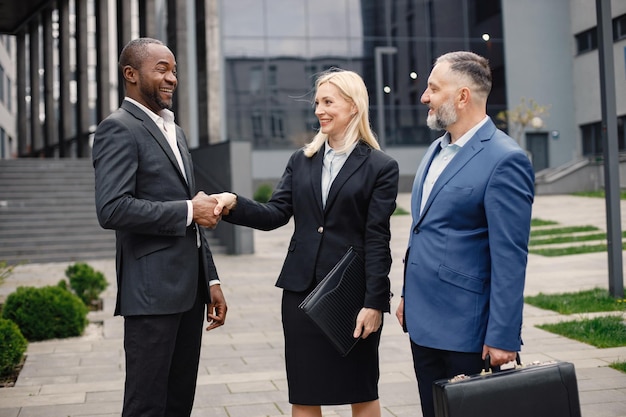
(588, 301)
(602, 332)
(541, 236)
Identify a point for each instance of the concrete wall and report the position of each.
(539, 65)
(586, 66)
(583, 175)
(226, 167)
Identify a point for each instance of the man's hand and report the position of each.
(400, 312)
(368, 321)
(216, 311)
(225, 203)
(498, 356)
(204, 210)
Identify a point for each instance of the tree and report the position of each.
(526, 113)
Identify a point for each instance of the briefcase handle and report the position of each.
(488, 368)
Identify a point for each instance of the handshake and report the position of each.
(208, 209)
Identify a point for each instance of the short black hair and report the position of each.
(135, 52)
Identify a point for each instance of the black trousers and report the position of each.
(162, 357)
(433, 364)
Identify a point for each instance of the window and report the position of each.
(2, 86)
(257, 125)
(592, 137)
(619, 27)
(276, 124)
(587, 41)
(255, 80)
(272, 77)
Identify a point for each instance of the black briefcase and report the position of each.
(537, 390)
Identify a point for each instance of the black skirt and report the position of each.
(316, 373)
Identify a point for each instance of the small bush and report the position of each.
(263, 193)
(86, 282)
(13, 345)
(46, 312)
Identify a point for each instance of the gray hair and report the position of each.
(472, 66)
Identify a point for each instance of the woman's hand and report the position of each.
(225, 203)
(368, 321)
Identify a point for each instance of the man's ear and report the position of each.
(463, 96)
(130, 74)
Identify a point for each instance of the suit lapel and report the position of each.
(465, 154)
(159, 136)
(186, 157)
(316, 176)
(420, 176)
(355, 160)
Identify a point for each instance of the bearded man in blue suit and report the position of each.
(468, 247)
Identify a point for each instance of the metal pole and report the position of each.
(380, 97)
(611, 148)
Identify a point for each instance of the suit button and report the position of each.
(320, 229)
(416, 230)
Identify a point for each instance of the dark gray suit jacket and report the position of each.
(360, 202)
(141, 194)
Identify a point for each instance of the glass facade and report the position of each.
(273, 50)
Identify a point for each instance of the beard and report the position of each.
(152, 96)
(443, 117)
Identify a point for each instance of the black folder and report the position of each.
(336, 301)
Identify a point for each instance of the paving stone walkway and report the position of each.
(241, 370)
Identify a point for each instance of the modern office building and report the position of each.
(248, 67)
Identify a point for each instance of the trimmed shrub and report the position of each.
(46, 313)
(86, 282)
(263, 193)
(12, 346)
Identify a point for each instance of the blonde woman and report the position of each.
(341, 190)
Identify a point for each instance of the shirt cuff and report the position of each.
(189, 212)
(214, 282)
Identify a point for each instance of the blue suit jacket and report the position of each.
(466, 263)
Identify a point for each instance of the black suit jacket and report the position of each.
(141, 193)
(359, 205)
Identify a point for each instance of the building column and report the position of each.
(181, 40)
(82, 80)
(123, 36)
(147, 18)
(22, 116)
(35, 88)
(213, 54)
(65, 104)
(202, 26)
(51, 129)
(103, 56)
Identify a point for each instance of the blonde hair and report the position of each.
(352, 88)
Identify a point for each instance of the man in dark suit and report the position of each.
(165, 270)
(468, 248)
